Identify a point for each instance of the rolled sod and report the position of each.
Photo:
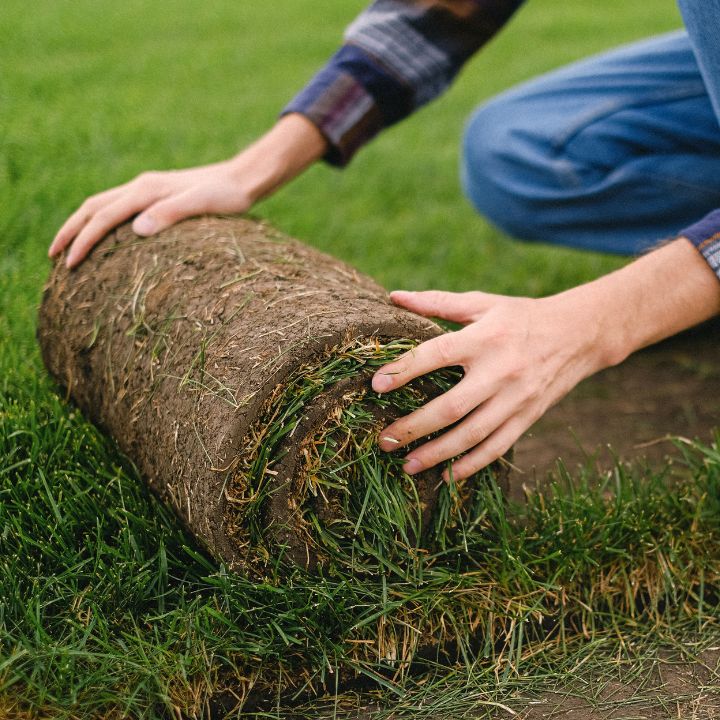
(232, 364)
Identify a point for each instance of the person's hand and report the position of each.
(519, 357)
(164, 198)
(161, 198)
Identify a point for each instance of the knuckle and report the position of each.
(513, 373)
(456, 406)
(516, 370)
(90, 204)
(502, 448)
(404, 434)
(491, 453)
(402, 365)
(469, 465)
(498, 337)
(103, 217)
(462, 470)
(532, 393)
(444, 347)
(158, 210)
(82, 244)
(430, 456)
(167, 210)
(499, 445)
(147, 179)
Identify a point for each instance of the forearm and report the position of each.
(288, 148)
(656, 296)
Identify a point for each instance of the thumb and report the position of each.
(456, 307)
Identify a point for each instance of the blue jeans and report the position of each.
(613, 153)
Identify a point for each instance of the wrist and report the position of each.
(656, 296)
(281, 154)
(600, 322)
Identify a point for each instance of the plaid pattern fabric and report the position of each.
(705, 236)
(397, 56)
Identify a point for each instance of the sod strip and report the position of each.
(233, 365)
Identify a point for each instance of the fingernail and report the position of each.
(412, 466)
(381, 383)
(387, 442)
(145, 225)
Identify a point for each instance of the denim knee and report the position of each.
(610, 153)
(502, 170)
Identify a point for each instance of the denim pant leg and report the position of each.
(702, 20)
(612, 153)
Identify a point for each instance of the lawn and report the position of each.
(106, 608)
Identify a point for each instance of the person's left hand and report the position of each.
(519, 357)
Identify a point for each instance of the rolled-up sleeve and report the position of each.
(397, 56)
(705, 236)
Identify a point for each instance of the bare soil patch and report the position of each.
(665, 689)
(630, 413)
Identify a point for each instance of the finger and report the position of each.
(441, 351)
(72, 226)
(473, 431)
(494, 447)
(457, 307)
(445, 410)
(170, 210)
(100, 224)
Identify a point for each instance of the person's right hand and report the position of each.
(164, 198)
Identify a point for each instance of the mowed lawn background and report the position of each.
(93, 92)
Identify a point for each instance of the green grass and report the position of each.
(106, 606)
(359, 514)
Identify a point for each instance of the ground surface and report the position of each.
(686, 691)
(94, 92)
(631, 413)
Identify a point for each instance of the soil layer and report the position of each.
(180, 344)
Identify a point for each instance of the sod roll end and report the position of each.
(232, 365)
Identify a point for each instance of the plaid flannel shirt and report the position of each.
(400, 54)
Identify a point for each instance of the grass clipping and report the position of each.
(233, 366)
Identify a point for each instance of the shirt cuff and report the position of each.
(705, 236)
(350, 100)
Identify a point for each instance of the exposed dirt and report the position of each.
(629, 411)
(666, 689)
